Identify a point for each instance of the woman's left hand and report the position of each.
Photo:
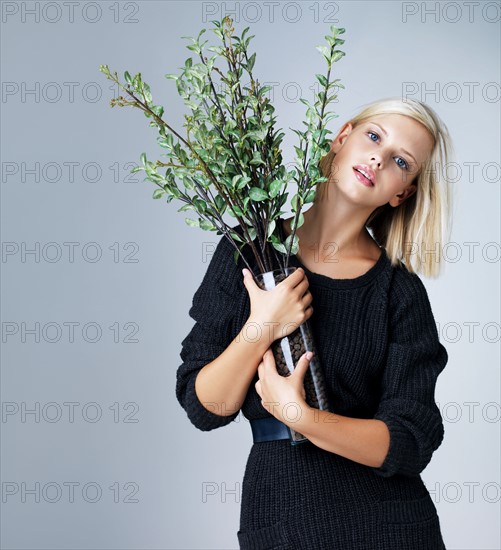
(280, 393)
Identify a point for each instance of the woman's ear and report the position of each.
(399, 198)
(338, 141)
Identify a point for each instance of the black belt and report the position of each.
(269, 429)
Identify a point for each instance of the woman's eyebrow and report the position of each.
(386, 134)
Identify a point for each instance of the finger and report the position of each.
(308, 310)
(260, 369)
(307, 299)
(267, 356)
(250, 282)
(294, 278)
(269, 364)
(303, 364)
(302, 288)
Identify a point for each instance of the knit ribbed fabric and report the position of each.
(378, 344)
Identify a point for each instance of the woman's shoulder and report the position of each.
(407, 290)
(222, 265)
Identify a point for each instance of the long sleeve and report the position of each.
(415, 359)
(213, 309)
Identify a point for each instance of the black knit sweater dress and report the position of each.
(378, 344)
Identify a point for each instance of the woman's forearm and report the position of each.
(222, 384)
(363, 440)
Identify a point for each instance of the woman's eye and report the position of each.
(404, 164)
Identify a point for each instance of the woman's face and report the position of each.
(390, 149)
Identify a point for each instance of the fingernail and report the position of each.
(309, 355)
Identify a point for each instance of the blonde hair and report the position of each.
(424, 219)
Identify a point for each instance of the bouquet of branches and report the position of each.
(230, 160)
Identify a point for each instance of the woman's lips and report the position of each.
(362, 178)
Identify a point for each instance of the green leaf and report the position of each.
(295, 244)
(300, 222)
(200, 204)
(158, 110)
(192, 223)
(250, 64)
(216, 49)
(236, 254)
(252, 233)
(136, 81)
(296, 202)
(175, 192)
(310, 196)
(235, 211)
(235, 180)
(191, 104)
(219, 201)
(322, 79)
(147, 92)
(165, 142)
(256, 159)
(337, 55)
(257, 194)
(280, 247)
(336, 30)
(271, 228)
(207, 225)
(236, 236)
(275, 187)
(155, 178)
(324, 50)
(244, 180)
(299, 152)
(128, 78)
(158, 193)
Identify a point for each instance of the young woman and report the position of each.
(378, 221)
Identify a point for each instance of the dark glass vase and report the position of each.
(288, 350)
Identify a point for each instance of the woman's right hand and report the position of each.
(281, 310)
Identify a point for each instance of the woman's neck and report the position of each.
(340, 234)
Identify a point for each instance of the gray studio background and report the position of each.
(91, 331)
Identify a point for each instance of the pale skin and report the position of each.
(340, 219)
